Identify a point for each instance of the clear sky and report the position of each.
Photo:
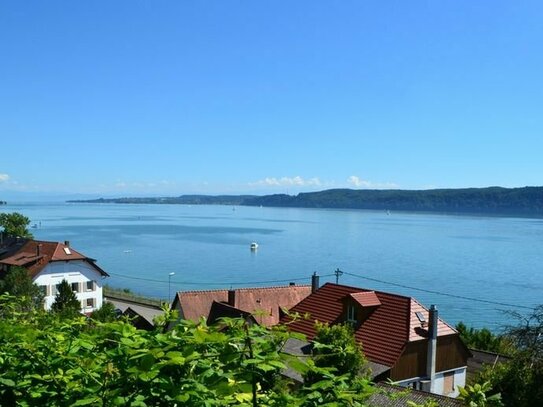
(145, 98)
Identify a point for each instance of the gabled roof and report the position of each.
(385, 332)
(263, 303)
(34, 255)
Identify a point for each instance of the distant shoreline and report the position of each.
(526, 201)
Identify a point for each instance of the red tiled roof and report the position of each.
(366, 298)
(34, 259)
(384, 333)
(263, 303)
(417, 331)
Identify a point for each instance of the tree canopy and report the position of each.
(15, 224)
(66, 302)
(19, 283)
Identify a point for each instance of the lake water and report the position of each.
(495, 259)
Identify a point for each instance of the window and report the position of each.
(55, 289)
(44, 290)
(448, 383)
(75, 287)
(89, 302)
(351, 314)
(90, 286)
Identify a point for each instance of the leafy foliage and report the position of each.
(19, 283)
(484, 339)
(106, 313)
(336, 346)
(66, 303)
(46, 360)
(476, 396)
(520, 381)
(15, 224)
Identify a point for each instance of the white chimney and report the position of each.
(432, 347)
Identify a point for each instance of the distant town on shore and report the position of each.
(527, 201)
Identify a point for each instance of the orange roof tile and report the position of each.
(263, 303)
(385, 332)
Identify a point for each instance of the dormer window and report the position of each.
(351, 315)
(359, 306)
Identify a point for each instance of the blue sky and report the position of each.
(115, 98)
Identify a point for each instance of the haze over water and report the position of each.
(488, 258)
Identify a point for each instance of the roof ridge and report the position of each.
(367, 289)
(243, 289)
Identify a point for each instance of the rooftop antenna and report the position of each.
(338, 273)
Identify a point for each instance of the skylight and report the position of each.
(67, 250)
(421, 317)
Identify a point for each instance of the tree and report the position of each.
(66, 303)
(106, 313)
(520, 381)
(15, 224)
(18, 283)
(484, 339)
(336, 346)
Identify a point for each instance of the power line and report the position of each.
(223, 283)
(439, 292)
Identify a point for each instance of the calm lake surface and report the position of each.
(497, 259)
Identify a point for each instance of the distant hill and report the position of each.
(183, 199)
(493, 200)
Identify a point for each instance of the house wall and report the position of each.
(453, 378)
(450, 354)
(76, 271)
(451, 362)
(457, 378)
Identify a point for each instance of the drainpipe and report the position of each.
(432, 347)
(314, 282)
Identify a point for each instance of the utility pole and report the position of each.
(338, 273)
(169, 286)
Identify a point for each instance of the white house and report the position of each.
(51, 262)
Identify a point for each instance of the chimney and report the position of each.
(38, 250)
(432, 347)
(291, 284)
(232, 298)
(314, 282)
(67, 243)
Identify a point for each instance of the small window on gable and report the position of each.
(351, 314)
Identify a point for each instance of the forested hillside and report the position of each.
(494, 200)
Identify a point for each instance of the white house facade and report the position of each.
(48, 263)
(86, 283)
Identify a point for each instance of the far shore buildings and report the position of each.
(48, 263)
